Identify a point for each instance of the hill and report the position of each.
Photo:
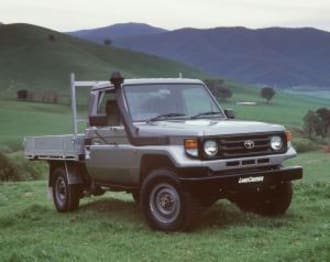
(38, 58)
(276, 56)
(117, 31)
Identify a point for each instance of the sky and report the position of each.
(71, 15)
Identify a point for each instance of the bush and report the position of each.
(304, 145)
(8, 171)
(26, 169)
(13, 167)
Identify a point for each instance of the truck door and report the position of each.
(112, 160)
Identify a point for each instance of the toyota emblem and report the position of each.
(249, 144)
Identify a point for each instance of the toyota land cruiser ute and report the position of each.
(169, 143)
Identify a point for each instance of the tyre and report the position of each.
(66, 197)
(165, 206)
(271, 202)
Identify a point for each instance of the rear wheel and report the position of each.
(271, 202)
(165, 205)
(66, 197)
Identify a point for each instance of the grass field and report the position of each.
(111, 228)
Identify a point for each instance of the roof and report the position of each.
(143, 81)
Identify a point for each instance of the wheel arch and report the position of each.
(151, 162)
(74, 171)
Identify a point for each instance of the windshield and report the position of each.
(170, 101)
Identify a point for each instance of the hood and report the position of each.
(206, 127)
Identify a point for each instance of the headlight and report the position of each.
(276, 143)
(211, 148)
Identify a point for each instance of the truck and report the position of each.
(169, 143)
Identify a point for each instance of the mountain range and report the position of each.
(117, 31)
(283, 57)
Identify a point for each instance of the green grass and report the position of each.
(111, 228)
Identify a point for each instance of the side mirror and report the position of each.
(98, 120)
(229, 113)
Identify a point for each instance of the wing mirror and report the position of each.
(229, 113)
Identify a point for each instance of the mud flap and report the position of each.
(72, 173)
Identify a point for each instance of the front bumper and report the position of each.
(235, 181)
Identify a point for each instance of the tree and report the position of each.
(218, 89)
(312, 124)
(267, 93)
(51, 38)
(214, 82)
(317, 122)
(221, 92)
(107, 42)
(324, 114)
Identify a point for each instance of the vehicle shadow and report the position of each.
(225, 214)
(221, 215)
(112, 207)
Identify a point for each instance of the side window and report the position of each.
(108, 109)
(103, 99)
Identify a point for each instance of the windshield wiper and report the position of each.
(162, 116)
(210, 113)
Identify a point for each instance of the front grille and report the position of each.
(233, 146)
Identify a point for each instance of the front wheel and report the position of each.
(66, 197)
(165, 205)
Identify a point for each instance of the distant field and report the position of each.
(25, 118)
(324, 94)
(112, 227)
(286, 109)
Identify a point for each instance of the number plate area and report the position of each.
(251, 179)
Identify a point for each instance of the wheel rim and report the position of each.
(60, 190)
(165, 203)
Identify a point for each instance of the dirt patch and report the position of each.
(325, 149)
(247, 103)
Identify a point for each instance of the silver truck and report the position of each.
(169, 143)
